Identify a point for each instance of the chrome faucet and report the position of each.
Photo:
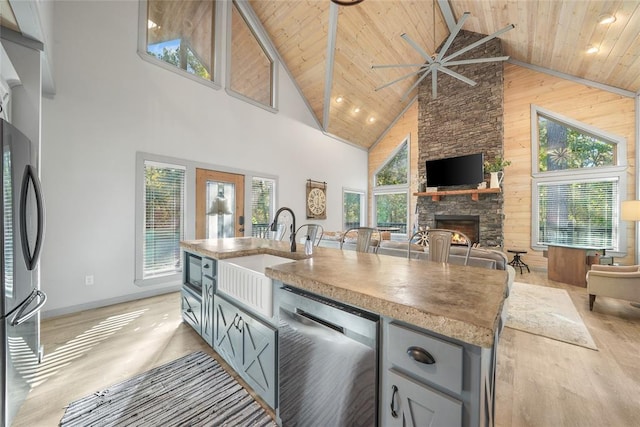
(274, 226)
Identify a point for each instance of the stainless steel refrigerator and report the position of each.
(22, 225)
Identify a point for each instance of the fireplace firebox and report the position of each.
(466, 224)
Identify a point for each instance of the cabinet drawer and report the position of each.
(209, 267)
(192, 310)
(447, 371)
(408, 402)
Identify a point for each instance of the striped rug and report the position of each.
(191, 391)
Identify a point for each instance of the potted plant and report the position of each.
(495, 169)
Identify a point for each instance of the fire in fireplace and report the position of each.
(466, 224)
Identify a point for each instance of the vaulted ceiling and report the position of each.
(329, 49)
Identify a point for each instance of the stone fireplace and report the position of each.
(464, 120)
(466, 224)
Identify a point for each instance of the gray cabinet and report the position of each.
(428, 379)
(191, 309)
(248, 345)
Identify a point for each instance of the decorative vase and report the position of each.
(496, 179)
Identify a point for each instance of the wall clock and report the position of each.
(316, 200)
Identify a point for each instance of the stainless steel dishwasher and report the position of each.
(328, 362)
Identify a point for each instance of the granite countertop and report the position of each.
(460, 302)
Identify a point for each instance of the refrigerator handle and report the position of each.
(20, 316)
(31, 258)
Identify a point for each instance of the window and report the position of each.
(353, 208)
(251, 66)
(391, 191)
(180, 35)
(579, 175)
(162, 217)
(262, 205)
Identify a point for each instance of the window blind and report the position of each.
(579, 213)
(164, 219)
(262, 204)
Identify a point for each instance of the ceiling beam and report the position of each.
(331, 50)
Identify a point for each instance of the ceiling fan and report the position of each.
(440, 62)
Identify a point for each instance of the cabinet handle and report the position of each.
(421, 355)
(394, 414)
(206, 266)
(237, 324)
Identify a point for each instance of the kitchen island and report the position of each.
(454, 310)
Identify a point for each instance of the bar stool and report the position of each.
(517, 261)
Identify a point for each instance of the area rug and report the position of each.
(548, 312)
(191, 391)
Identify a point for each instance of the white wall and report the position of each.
(109, 104)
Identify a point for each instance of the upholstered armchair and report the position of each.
(622, 282)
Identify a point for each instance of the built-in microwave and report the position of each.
(193, 272)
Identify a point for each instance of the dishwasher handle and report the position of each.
(319, 320)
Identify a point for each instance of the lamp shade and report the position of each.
(219, 206)
(630, 210)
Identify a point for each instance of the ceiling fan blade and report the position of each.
(479, 42)
(475, 61)
(398, 66)
(452, 36)
(417, 83)
(434, 84)
(401, 78)
(413, 44)
(458, 76)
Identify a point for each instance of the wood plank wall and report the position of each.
(379, 154)
(601, 109)
(523, 87)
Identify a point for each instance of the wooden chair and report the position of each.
(364, 241)
(314, 231)
(439, 241)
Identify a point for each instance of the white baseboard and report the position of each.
(46, 314)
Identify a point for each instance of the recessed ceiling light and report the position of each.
(371, 119)
(606, 18)
(592, 49)
(339, 99)
(356, 110)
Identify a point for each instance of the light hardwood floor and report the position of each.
(541, 382)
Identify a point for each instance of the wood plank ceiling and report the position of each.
(313, 35)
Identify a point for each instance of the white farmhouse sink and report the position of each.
(243, 279)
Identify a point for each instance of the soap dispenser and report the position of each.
(308, 246)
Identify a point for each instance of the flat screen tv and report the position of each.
(461, 170)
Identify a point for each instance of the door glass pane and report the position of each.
(352, 209)
(262, 205)
(391, 211)
(220, 215)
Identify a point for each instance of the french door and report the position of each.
(219, 204)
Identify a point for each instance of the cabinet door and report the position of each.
(191, 310)
(409, 403)
(259, 357)
(227, 337)
(208, 289)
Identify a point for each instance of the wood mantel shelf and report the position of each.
(435, 195)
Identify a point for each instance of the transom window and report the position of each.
(579, 175)
(180, 35)
(391, 191)
(251, 66)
